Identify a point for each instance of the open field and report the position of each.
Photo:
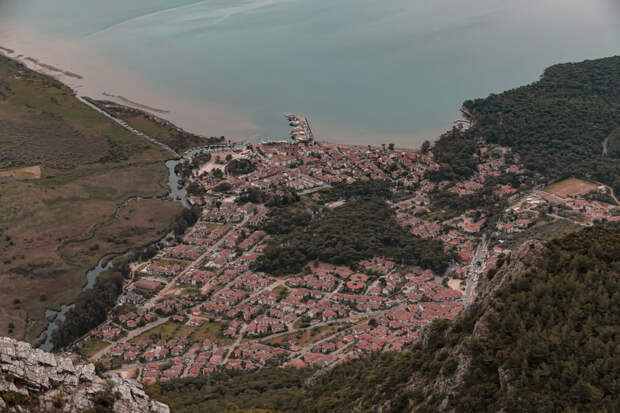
(28, 172)
(93, 347)
(54, 228)
(135, 222)
(164, 331)
(157, 128)
(173, 329)
(570, 186)
(211, 330)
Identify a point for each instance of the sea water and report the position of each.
(363, 71)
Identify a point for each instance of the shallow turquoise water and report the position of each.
(364, 71)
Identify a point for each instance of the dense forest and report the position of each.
(558, 125)
(454, 151)
(547, 342)
(553, 334)
(273, 198)
(362, 228)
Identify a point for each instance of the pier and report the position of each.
(301, 131)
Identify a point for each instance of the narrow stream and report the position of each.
(105, 263)
(176, 192)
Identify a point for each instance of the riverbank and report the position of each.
(89, 166)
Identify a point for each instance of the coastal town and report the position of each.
(199, 305)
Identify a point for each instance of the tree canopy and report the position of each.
(558, 124)
(362, 228)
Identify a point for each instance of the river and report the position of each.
(58, 317)
(176, 192)
(105, 263)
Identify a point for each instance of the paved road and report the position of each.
(151, 302)
(129, 336)
(245, 325)
(476, 267)
(611, 192)
(172, 284)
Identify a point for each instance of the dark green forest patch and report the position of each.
(362, 228)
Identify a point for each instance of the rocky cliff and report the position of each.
(32, 380)
(446, 385)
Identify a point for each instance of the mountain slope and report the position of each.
(559, 124)
(542, 338)
(564, 125)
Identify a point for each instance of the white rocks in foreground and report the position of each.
(34, 380)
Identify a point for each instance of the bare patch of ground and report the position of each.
(29, 172)
(570, 186)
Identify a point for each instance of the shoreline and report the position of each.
(137, 105)
(192, 117)
(54, 71)
(91, 75)
(54, 68)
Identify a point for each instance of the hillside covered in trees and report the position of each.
(560, 125)
(544, 339)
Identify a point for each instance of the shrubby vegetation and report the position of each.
(92, 305)
(370, 188)
(553, 333)
(613, 143)
(269, 388)
(240, 167)
(551, 345)
(454, 152)
(272, 198)
(185, 219)
(158, 128)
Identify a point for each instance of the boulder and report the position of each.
(48, 380)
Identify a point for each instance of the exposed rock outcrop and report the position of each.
(33, 380)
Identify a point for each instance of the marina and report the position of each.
(301, 131)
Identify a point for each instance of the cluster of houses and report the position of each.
(376, 305)
(526, 211)
(315, 165)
